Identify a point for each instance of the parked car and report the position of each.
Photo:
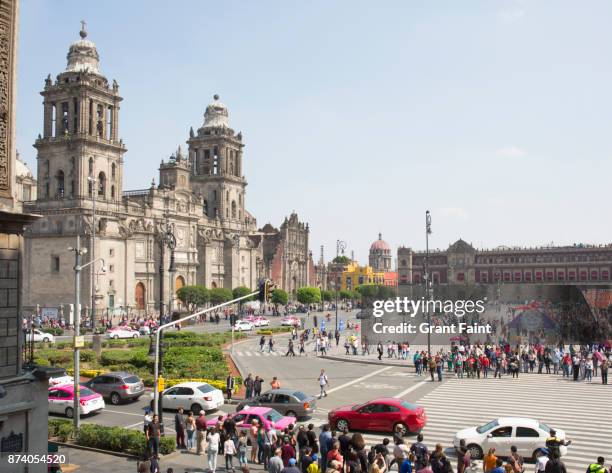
(290, 321)
(38, 336)
(243, 325)
(529, 435)
(381, 415)
(260, 322)
(117, 386)
(122, 332)
(61, 379)
(244, 418)
(288, 402)
(192, 396)
(61, 401)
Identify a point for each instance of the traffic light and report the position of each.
(265, 290)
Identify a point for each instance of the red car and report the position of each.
(384, 414)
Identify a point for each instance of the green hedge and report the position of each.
(53, 330)
(271, 330)
(61, 429)
(119, 439)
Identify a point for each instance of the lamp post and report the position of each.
(340, 247)
(78, 252)
(94, 183)
(427, 282)
(166, 239)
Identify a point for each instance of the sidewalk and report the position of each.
(339, 354)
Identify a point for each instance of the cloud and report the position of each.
(457, 213)
(511, 152)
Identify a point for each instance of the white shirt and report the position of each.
(213, 441)
(541, 463)
(322, 379)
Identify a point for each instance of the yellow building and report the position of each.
(356, 275)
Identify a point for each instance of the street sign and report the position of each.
(161, 384)
(79, 341)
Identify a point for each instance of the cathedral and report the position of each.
(200, 200)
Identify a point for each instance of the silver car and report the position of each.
(289, 402)
(117, 386)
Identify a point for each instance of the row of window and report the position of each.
(99, 123)
(60, 181)
(523, 276)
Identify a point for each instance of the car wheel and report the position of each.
(401, 428)
(342, 424)
(196, 408)
(69, 412)
(46, 340)
(475, 451)
(115, 399)
(116, 337)
(135, 335)
(291, 414)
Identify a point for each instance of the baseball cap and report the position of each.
(292, 461)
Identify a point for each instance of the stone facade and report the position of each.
(23, 394)
(200, 197)
(462, 264)
(380, 258)
(286, 258)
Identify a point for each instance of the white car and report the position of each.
(122, 332)
(243, 325)
(39, 336)
(261, 322)
(192, 396)
(528, 435)
(61, 379)
(290, 321)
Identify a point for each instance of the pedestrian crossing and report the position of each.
(582, 410)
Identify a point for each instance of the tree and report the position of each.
(346, 294)
(327, 296)
(219, 295)
(368, 291)
(279, 296)
(241, 291)
(193, 296)
(341, 259)
(386, 292)
(309, 295)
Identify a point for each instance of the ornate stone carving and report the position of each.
(6, 79)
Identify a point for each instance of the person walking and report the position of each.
(229, 450)
(212, 450)
(190, 428)
(242, 449)
(379, 350)
(603, 367)
(230, 383)
(179, 427)
(262, 343)
(270, 344)
(323, 382)
(275, 464)
(200, 433)
(290, 351)
(153, 435)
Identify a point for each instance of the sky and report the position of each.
(495, 115)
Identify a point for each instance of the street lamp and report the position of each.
(426, 276)
(166, 239)
(78, 252)
(340, 247)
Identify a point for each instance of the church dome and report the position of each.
(216, 115)
(83, 55)
(21, 169)
(380, 244)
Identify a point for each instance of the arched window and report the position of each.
(101, 184)
(140, 296)
(113, 171)
(233, 209)
(59, 183)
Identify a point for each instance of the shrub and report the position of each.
(53, 330)
(271, 330)
(167, 445)
(87, 356)
(61, 429)
(119, 439)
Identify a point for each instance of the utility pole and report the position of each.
(77, 331)
(427, 283)
(94, 183)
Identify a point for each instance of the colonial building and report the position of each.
(23, 387)
(462, 264)
(200, 199)
(380, 255)
(286, 258)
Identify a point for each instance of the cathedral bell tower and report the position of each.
(215, 156)
(80, 155)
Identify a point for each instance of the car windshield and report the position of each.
(131, 380)
(544, 427)
(357, 406)
(86, 392)
(485, 428)
(206, 388)
(409, 405)
(274, 414)
(300, 395)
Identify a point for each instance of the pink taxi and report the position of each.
(244, 418)
(61, 400)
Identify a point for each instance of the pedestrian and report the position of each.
(230, 383)
(541, 460)
(325, 439)
(270, 344)
(249, 385)
(323, 382)
(153, 435)
(313, 443)
(275, 383)
(407, 465)
(421, 453)
(180, 426)
(515, 460)
(290, 351)
(287, 451)
(190, 428)
(461, 452)
(262, 343)
(212, 450)
(229, 450)
(275, 464)
(291, 467)
(257, 382)
(148, 417)
(597, 467)
(200, 433)
(605, 364)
